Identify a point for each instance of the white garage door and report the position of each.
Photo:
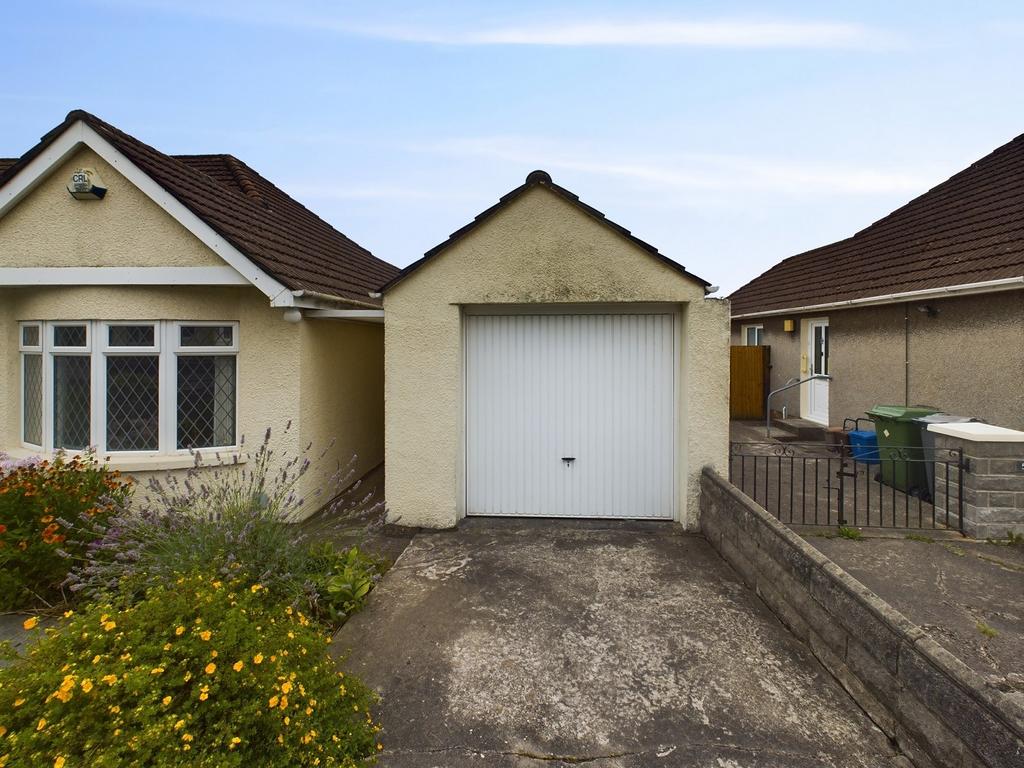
(570, 415)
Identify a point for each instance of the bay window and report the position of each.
(139, 387)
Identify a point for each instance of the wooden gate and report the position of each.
(748, 381)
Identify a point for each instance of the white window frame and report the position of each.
(23, 351)
(759, 327)
(174, 343)
(166, 347)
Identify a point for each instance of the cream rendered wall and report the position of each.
(49, 228)
(341, 400)
(540, 249)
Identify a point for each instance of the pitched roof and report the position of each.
(280, 235)
(969, 229)
(7, 162)
(539, 179)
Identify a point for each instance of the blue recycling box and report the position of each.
(864, 446)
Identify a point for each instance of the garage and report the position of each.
(545, 362)
(570, 415)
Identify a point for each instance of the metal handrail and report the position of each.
(789, 385)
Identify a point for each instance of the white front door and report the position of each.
(817, 363)
(570, 415)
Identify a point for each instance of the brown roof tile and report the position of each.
(277, 233)
(968, 229)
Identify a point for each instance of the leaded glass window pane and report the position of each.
(32, 399)
(133, 402)
(130, 335)
(69, 336)
(206, 400)
(30, 335)
(207, 335)
(71, 397)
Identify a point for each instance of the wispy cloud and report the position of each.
(636, 30)
(723, 33)
(693, 172)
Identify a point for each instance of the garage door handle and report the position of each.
(568, 459)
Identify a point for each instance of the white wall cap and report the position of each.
(978, 432)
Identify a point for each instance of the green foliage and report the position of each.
(48, 511)
(208, 671)
(986, 630)
(342, 581)
(846, 532)
(919, 537)
(232, 520)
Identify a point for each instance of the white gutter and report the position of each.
(362, 315)
(988, 286)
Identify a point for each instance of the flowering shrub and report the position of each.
(238, 521)
(47, 512)
(207, 671)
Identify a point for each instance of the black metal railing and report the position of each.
(826, 485)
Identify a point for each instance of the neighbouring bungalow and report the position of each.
(925, 306)
(152, 306)
(544, 362)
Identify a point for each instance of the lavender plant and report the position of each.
(240, 520)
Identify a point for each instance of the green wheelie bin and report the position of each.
(899, 446)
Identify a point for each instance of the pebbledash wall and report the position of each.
(539, 250)
(938, 710)
(324, 376)
(967, 359)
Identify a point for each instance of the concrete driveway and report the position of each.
(548, 643)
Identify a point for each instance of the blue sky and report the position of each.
(730, 135)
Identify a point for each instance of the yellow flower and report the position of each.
(186, 737)
(156, 671)
(96, 659)
(42, 724)
(237, 666)
(59, 762)
(18, 702)
(257, 659)
(286, 687)
(210, 668)
(68, 614)
(255, 588)
(87, 685)
(31, 623)
(179, 631)
(179, 725)
(273, 702)
(109, 625)
(205, 634)
(166, 700)
(109, 679)
(115, 709)
(235, 740)
(167, 646)
(203, 695)
(213, 654)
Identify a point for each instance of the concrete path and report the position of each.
(966, 594)
(555, 644)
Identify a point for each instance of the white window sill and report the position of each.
(155, 463)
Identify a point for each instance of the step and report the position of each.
(799, 429)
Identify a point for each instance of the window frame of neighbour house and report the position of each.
(759, 334)
(165, 346)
